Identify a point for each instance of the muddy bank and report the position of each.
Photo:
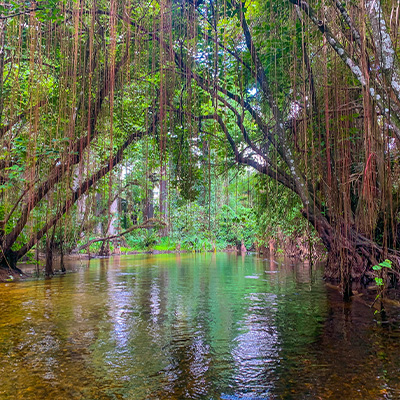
(9, 276)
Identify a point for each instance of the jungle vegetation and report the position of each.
(250, 115)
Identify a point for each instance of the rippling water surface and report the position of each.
(192, 327)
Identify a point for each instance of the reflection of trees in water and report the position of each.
(51, 341)
(153, 331)
(242, 362)
(352, 358)
(175, 319)
(256, 353)
(196, 328)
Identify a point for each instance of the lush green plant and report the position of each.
(236, 226)
(280, 219)
(165, 244)
(381, 268)
(142, 239)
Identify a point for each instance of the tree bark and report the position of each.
(148, 209)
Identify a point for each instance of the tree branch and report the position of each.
(384, 46)
(150, 223)
(354, 32)
(269, 170)
(352, 65)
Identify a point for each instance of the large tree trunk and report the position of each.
(350, 253)
(8, 260)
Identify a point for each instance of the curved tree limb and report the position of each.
(354, 31)
(270, 170)
(384, 46)
(150, 223)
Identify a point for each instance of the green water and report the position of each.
(191, 327)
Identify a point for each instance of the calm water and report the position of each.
(192, 327)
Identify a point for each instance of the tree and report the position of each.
(327, 136)
(64, 70)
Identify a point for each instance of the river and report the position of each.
(192, 326)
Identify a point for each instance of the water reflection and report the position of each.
(191, 327)
(257, 351)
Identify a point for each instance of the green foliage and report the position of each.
(236, 226)
(380, 281)
(142, 239)
(384, 264)
(283, 218)
(210, 204)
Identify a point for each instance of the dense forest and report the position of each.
(200, 124)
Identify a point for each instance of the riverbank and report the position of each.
(9, 276)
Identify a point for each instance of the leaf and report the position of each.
(386, 264)
(379, 281)
(376, 267)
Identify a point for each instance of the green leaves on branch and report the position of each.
(379, 280)
(384, 264)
